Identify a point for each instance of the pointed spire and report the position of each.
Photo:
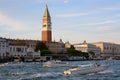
(46, 12)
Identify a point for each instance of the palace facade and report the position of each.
(108, 49)
(88, 47)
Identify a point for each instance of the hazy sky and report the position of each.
(72, 20)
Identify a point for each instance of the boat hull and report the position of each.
(83, 71)
(92, 70)
(54, 64)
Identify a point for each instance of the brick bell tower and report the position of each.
(46, 26)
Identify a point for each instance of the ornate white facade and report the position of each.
(16, 50)
(108, 49)
(86, 47)
(3, 47)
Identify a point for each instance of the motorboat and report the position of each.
(16, 59)
(28, 59)
(55, 63)
(86, 69)
(1, 65)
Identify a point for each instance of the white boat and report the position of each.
(37, 59)
(16, 59)
(56, 63)
(1, 65)
(85, 69)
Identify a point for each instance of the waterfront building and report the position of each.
(3, 47)
(108, 49)
(32, 55)
(19, 47)
(87, 47)
(17, 50)
(56, 47)
(31, 43)
(67, 45)
(28, 43)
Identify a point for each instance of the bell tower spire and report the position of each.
(46, 26)
(46, 12)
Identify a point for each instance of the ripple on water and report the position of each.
(33, 71)
(42, 75)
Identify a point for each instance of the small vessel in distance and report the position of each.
(55, 63)
(86, 69)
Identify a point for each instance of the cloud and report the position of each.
(9, 22)
(71, 14)
(106, 28)
(66, 1)
(89, 12)
(110, 8)
(117, 15)
(100, 23)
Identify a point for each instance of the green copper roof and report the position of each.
(46, 12)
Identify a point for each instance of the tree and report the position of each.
(85, 54)
(72, 51)
(72, 47)
(40, 46)
(92, 53)
(45, 52)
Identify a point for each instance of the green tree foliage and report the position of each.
(46, 52)
(40, 46)
(72, 47)
(92, 53)
(85, 54)
(74, 52)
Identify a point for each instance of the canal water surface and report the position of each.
(35, 71)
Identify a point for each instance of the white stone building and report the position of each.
(67, 45)
(32, 55)
(16, 50)
(87, 47)
(3, 47)
(108, 49)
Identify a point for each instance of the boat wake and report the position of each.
(102, 72)
(13, 74)
(106, 71)
(43, 75)
(47, 75)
